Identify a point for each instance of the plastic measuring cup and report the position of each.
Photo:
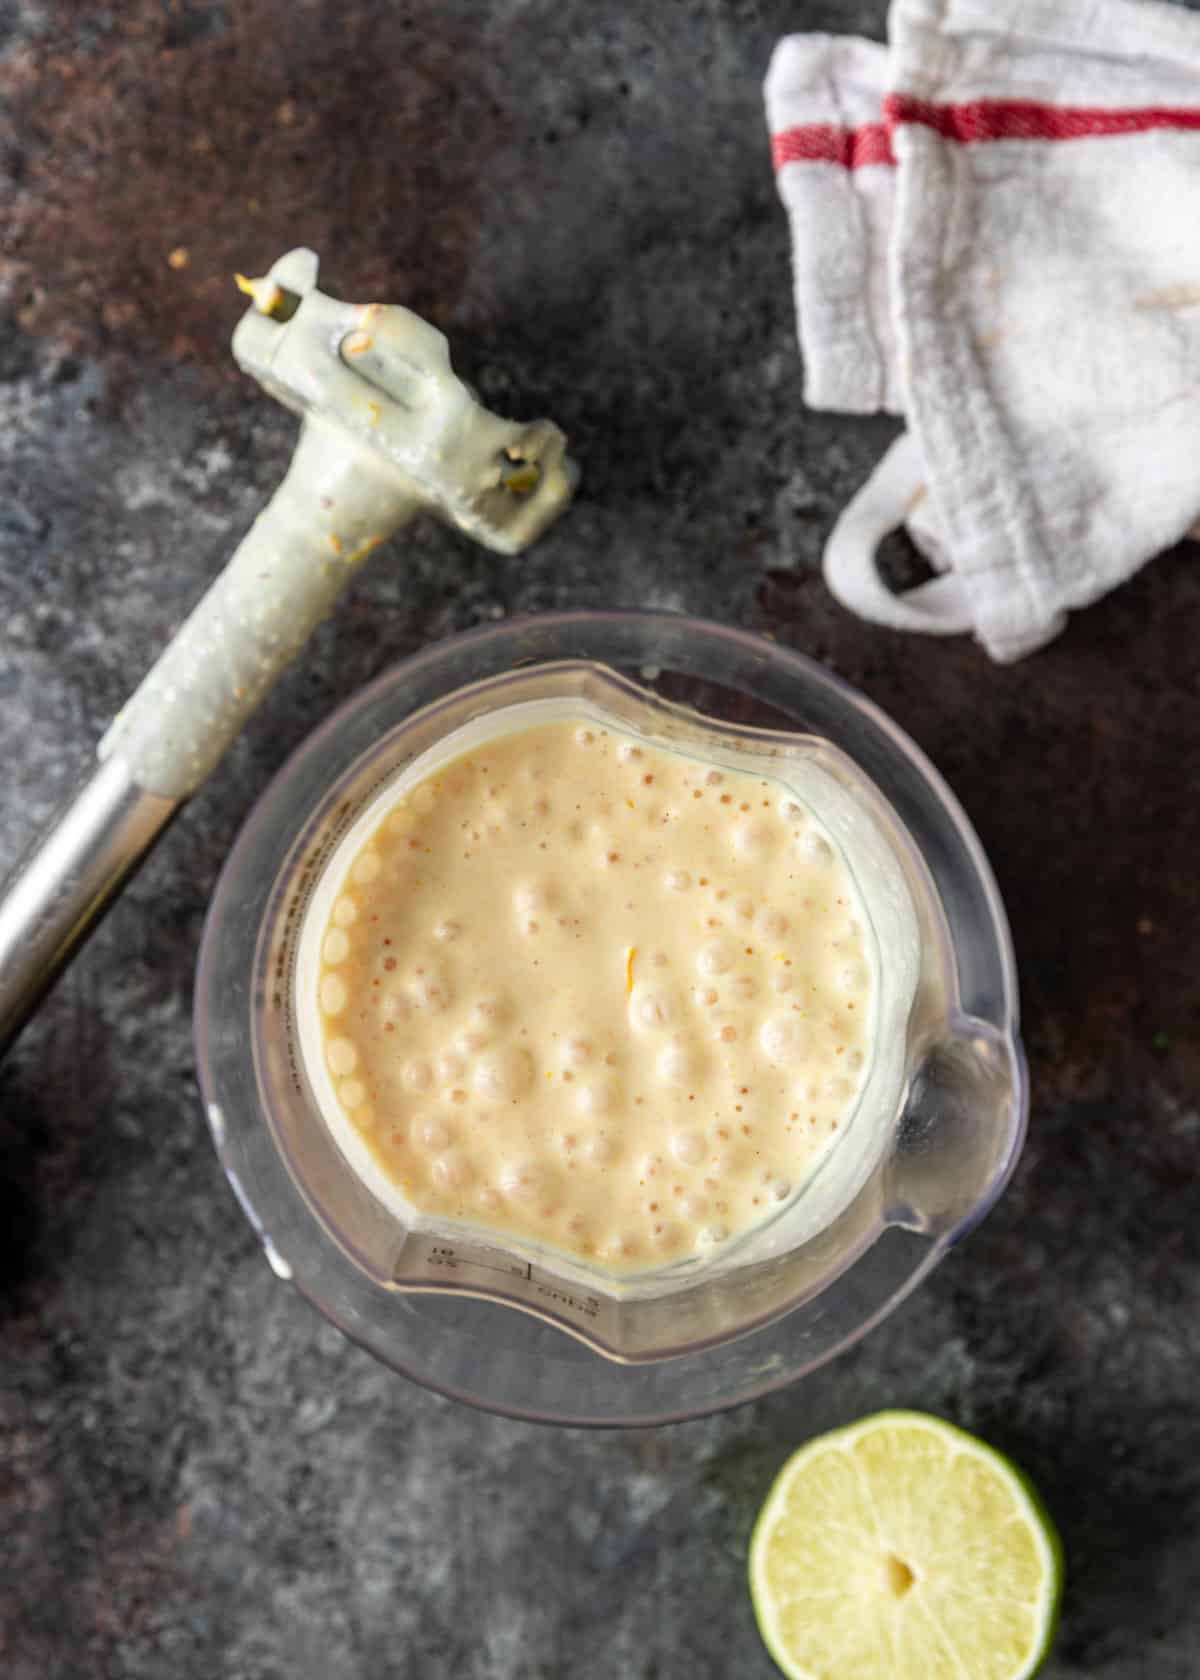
(469, 1317)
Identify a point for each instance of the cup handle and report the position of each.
(960, 1131)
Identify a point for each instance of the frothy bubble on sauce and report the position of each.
(583, 992)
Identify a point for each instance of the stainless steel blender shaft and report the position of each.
(65, 883)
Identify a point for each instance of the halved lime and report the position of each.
(902, 1548)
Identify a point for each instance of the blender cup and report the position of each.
(927, 1152)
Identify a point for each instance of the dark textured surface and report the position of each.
(197, 1477)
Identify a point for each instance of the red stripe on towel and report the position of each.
(970, 124)
(853, 148)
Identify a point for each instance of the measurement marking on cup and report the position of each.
(585, 1306)
(451, 1259)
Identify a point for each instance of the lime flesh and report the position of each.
(901, 1548)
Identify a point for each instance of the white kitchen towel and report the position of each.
(824, 103)
(1009, 202)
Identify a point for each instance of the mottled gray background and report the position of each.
(198, 1477)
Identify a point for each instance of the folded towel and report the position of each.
(996, 231)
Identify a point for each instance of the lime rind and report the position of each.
(1032, 1509)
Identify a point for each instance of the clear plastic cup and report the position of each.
(467, 1316)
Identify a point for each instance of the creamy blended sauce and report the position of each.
(588, 993)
